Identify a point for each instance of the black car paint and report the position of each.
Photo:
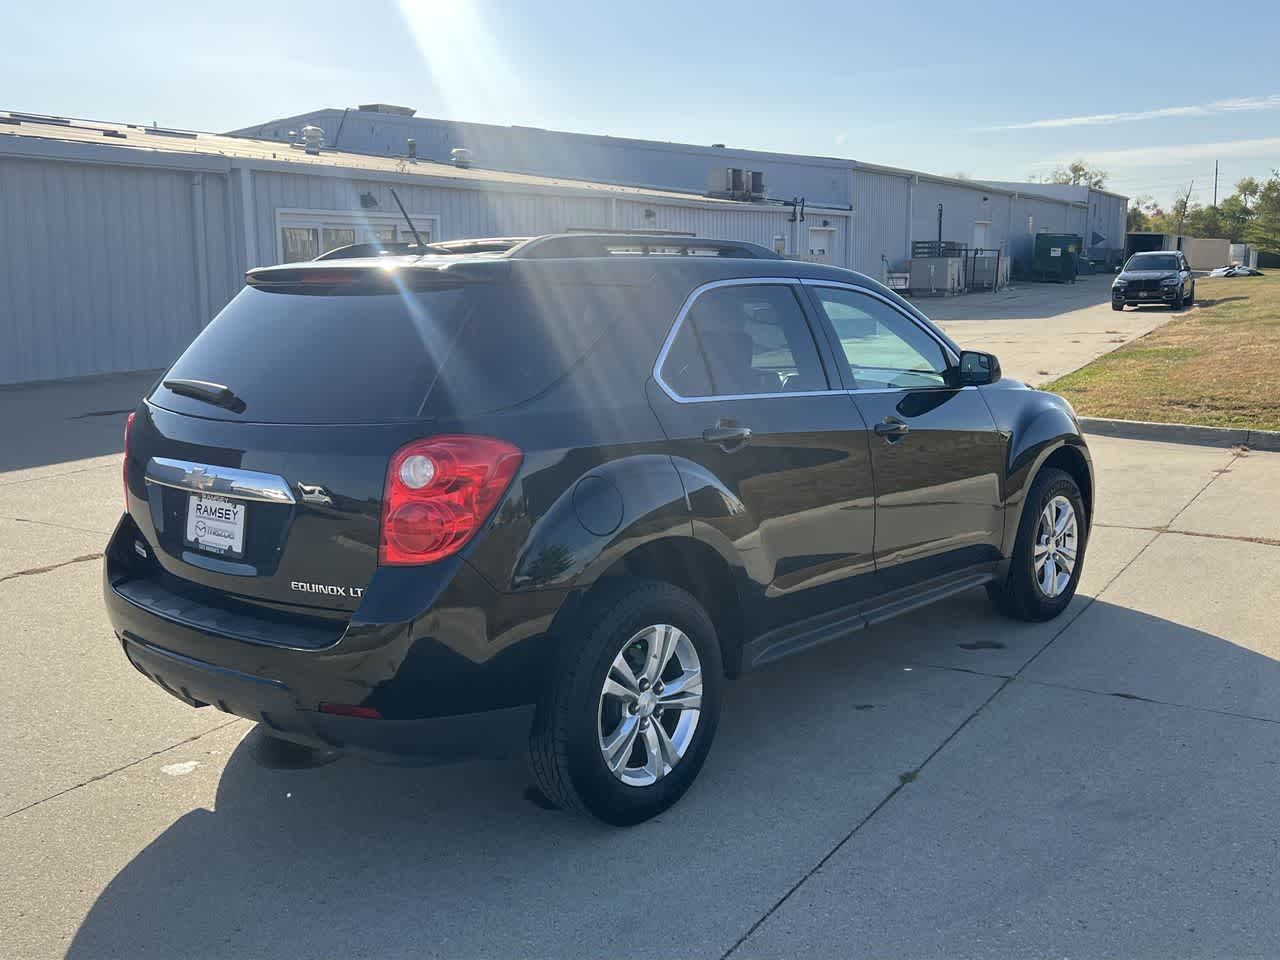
(1132, 282)
(787, 522)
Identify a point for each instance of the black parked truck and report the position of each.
(557, 491)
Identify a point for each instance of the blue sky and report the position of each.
(995, 91)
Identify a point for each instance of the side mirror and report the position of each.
(977, 368)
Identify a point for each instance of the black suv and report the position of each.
(417, 507)
(1157, 277)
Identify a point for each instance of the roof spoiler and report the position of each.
(403, 248)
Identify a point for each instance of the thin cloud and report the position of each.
(1235, 105)
(1180, 155)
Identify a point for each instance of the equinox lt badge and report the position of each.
(328, 589)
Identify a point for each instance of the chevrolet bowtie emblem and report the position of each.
(199, 479)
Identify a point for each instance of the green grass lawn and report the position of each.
(1217, 364)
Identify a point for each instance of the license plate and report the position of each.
(1147, 293)
(215, 524)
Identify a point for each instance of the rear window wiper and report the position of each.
(215, 393)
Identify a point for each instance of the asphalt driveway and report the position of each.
(950, 785)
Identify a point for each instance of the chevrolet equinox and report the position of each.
(556, 490)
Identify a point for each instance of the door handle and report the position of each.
(727, 435)
(892, 429)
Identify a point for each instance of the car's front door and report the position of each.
(773, 456)
(936, 454)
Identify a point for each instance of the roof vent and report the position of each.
(312, 138)
(461, 157)
(388, 108)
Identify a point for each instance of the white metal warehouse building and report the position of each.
(119, 242)
(888, 206)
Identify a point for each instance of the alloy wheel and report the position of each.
(1057, 540)
(650, 704)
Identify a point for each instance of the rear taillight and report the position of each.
(128, 428)
(439, 492)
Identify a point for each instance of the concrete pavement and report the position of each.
(951, 785)
(1041, 331)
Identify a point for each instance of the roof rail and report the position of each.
(402, 248)
(576, 245)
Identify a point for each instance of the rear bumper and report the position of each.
(271, 703)
(445, 686)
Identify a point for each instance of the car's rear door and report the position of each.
(772, 453)
(936, 454)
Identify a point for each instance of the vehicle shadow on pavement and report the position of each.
(350, 858)
(68, 420)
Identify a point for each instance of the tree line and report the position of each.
(1250, 215)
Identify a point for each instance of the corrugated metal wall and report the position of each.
(962, 207)
(462, 213)
(108, 266)
(98, 266)
(880, 203)
(1032, 215)
(476, 213)
(1108, 217)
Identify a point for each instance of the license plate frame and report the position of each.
(215, 525)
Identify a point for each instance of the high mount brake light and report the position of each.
(430, 510)
(128, 429)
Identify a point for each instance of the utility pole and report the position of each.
(1215, 184)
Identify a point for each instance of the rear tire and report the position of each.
(609, 737)
(1038, 587)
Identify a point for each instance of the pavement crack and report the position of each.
(1264, 541)
(955, 669)
(51, 476)
(1136, 698)
(124, 766)
(53, 566)
(56, 526)
(903, 780)
(1236, 454)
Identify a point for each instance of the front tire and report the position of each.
(1049, 552)
(634, 706)
(1117, 306)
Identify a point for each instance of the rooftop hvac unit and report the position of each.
(734, 183)
(461, 157)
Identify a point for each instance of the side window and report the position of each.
(883, 348)
(744, 340)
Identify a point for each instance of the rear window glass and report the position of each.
(292, 358)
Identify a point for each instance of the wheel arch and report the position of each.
(694, 567)
(1070, 459)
